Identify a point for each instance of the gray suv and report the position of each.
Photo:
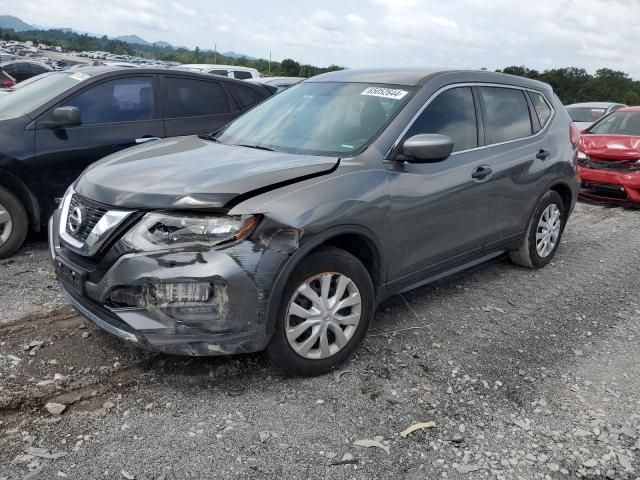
(285, 230)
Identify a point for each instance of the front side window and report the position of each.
(507, 114)
(116, 101)
(451, 113)
(542, 108)
(319, 118)
(241, 74)
(195, 98)
(618, 123)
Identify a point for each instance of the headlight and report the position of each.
(582, 155)
(157, 231)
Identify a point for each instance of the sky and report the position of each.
(493, 34)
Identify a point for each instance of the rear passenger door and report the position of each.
(194, 106)
(516, 151)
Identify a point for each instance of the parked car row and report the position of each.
(54, 125)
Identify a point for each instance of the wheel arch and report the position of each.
(16, 186)
(355, 239)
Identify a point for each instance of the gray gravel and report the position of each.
(526, 374)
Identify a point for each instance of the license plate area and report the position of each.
(70, 277)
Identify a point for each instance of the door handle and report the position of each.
(481, 172)
(543, 154)
(146, 139)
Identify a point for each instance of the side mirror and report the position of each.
(427, 147)
(62, 117)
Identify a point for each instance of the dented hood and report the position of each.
(190, 172)
(611, 147)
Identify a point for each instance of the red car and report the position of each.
(609, 158)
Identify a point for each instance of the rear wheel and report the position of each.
(543, 233)
(327, 308)
(13, 223)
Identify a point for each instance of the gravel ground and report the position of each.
(524, 374)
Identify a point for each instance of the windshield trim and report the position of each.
(412, 90)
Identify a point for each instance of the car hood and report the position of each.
(191, 172)
(611, 147)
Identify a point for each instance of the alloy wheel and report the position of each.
(548, 230)
(322, 316)
(6, 225)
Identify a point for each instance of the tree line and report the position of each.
(575, 85)
(82, 42)
(571, 84)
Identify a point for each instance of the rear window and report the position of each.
(242, 75)
(507, 114)
(195, 98)
(585, 114)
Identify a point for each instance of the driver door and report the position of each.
(439, 212)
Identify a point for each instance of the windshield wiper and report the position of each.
(209, 136)
(258, 147)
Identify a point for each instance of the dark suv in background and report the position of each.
(53, 126)
(286, 229)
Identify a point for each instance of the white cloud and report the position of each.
(366, 33)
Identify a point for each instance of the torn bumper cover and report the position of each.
(203, 302)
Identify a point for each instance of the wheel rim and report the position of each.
(6, 225)
(548, 230)
(323, 315)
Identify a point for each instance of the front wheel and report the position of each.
(543, 234)
(327, 307)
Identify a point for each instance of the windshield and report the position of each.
(32, 93)
(618, 123)
(585, 114)
(319, 118)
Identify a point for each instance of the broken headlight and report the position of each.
(157, 231)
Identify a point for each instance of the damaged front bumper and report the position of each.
(610, 185)
(185, 302)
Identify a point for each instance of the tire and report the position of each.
(336, 270)
(13, 223)
(528, 255)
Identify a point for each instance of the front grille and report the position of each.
(92, 212)
(615, 165)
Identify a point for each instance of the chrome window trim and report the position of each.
(475, 84)
(98, 235)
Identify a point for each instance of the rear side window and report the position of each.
(242, 75)
(222, 73)
(247, 97)
(542, 108)
(451, 113)
(507, 114)
(121, 100)
(195, 98)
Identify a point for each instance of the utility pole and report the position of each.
(269, 62)
(215, 53)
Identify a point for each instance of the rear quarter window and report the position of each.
(541, 107)
(247, 97)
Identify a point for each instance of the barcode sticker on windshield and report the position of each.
(79, 76)
(383, 92)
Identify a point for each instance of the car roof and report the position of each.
(629, 109)
(593, 104)
(211, 65)
(419, 76)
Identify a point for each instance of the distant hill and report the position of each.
(238, 55)
(14, 23)
(133, 39)
(162, 44)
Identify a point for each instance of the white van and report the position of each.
(242, 73)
